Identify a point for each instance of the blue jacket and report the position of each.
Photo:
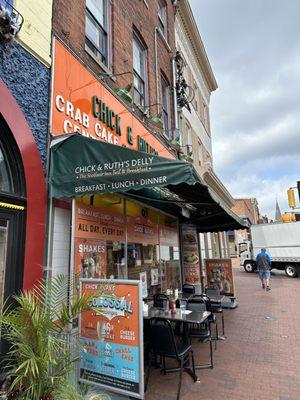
(264, 259)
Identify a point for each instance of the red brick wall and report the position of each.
(245, 208)
(126, 15)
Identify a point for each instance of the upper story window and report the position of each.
(195, 98)
(139, 72)
(162, 17)
(96, 29)
(165, 106)
(200, 153)
(188, 133)
(206, 118)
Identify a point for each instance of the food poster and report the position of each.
(190, 256)
(154, 274)
(143, 279)
(90, 258)
(111, 340)
(219, 275)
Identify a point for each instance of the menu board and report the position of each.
(141, 229)
(96, 223)
(168, 236)
(112, 338)
(219, 275)
(190, 255)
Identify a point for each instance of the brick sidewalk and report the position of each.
(260, 360)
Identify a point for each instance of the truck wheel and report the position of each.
(248, 266)
(291, 271)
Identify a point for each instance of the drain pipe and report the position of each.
(175, 104)
(156, 68)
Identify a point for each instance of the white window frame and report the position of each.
(188, 134)
(165, 101)
(90, 47)
(200, 153)
(136, 74)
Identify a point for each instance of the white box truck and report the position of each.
(282, 242)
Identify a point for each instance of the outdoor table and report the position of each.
(218, 298)
(182, 316)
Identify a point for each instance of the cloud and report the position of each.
(254, 49)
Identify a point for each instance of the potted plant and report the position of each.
(37, 329)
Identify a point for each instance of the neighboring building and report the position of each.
(24, 104)
(247, 209)
(194, 119)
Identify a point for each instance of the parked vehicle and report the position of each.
(282, 242)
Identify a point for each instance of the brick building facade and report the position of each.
(248, 210)
(136, 47)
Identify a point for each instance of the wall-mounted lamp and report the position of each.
(11, 22)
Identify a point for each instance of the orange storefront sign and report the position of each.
(80, 103)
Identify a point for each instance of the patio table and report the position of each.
(185, 317)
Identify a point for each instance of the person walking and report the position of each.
(263, 262)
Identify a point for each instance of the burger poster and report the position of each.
(219, 275)
(190, 255)
(111, 335)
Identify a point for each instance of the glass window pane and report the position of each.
(96, 35)
(98, 9)
(138, 58)
(162, 17)
(169, 253)
(142, 248)
(5, 175)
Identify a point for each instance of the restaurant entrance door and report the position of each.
(12, 218)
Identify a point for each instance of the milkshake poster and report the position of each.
(219, 275)
(111, 336)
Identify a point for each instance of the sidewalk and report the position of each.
(260, 360)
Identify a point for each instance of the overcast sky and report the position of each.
(254, 49)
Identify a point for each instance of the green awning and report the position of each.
(83, 166)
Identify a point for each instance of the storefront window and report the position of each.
(170, 274)
(100, 234)
(142, 248)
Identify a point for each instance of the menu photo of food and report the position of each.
(189, 238)
(191, 258)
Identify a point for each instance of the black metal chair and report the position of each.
(202, 332)
(212, 318)
(164, 345)
(216, 305)
(159, 299)
(188, 289)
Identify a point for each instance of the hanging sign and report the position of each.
(112, 340)
(219, 275)
(190, 255)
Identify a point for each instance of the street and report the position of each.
(260, 360)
